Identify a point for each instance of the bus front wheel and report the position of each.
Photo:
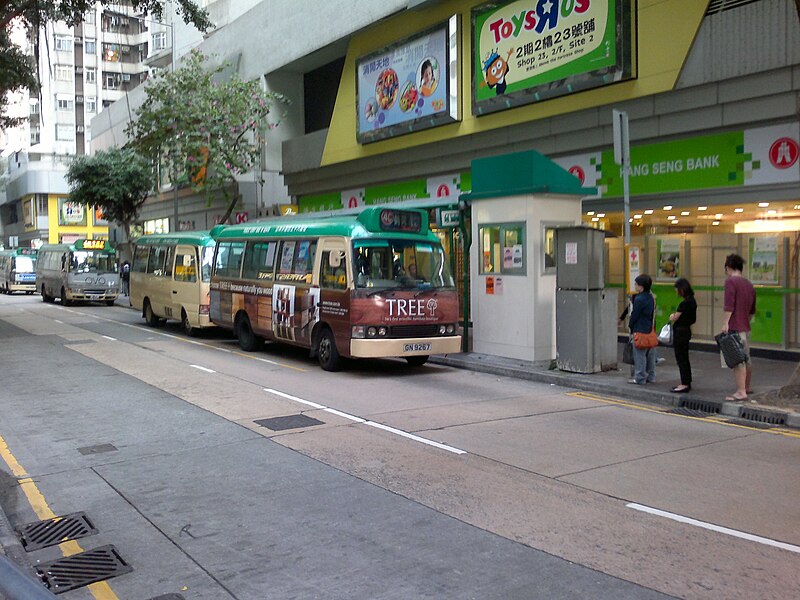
(416, 361)
(45, 297)
(327, 353)
(248, 341)
(149, 316)
(64, 300)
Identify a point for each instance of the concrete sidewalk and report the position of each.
(711, 383)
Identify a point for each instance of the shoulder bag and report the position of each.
(645, 341)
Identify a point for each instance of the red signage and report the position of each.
(783, 153)
(241, 217)
(578, 172)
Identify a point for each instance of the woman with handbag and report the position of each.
(682, 320)
(642, 325)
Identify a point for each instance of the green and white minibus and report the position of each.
(18, 270)
(376, 284)
(85, 270)
(170, 278)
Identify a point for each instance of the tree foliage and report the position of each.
(18, 71)
(205, 129)
(117, 181)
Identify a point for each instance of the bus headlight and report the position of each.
(451, 329)
(442, 329)
(382, 331)
(372, 332)
(358, 332)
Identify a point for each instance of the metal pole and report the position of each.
(174, 165)
(626, 170)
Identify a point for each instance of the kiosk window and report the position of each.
(502, 249)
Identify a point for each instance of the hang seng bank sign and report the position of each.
(766, 155)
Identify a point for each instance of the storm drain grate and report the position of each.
(42, 534)
(98, 449)
(687, 412)
(289, 422)
(762, 416)
(711, 408)
(78, 570)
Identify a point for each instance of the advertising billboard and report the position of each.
(528, 51)
(408, 86)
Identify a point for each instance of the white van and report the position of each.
(85, 270)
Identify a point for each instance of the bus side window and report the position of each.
(155, 266)
(332, 278)
(259, 260)
(140, 257)
(169, 261)
(229, 259)
(185, 269)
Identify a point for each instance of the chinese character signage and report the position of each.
(407, 86)
(532, 50)
(71, 213)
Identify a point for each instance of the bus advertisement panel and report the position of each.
(170, 278)
(84, 271)
(377, 284)
(18, 270)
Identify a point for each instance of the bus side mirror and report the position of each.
(335, 259)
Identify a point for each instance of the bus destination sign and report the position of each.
(401, 220)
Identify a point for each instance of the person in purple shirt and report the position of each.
(739, 308)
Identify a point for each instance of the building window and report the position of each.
(91, 75)
(65, 133)
(111, 52)
(41, 205)
(36, 136)
(63, 73)
(159, 41)
(89, 18)
(34, 107)
(502, 249)
(112, 81)
(90, 47)
(65, 104)
(91, 104)
(63, 43)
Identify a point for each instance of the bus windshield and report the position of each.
(24, 264)
(87, 261)
(405, 264)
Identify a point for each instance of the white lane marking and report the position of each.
(206, 369)
(399, 432)
(712, 527)
(415, 437)
(294, 398)
(108, 337)
(57, 321)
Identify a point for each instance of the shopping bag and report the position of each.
(645, 341)
(627, 352)
(665, 335)
(732, 348)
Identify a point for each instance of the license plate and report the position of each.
(93, 297)
(417, 347)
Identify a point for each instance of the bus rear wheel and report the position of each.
(327, 353)
(248, 341)
(416, 361)
(45, 297)
(64, 300)
(186, 325)
(149, 316)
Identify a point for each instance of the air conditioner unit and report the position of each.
(126, 49)
(78, 40)
(79, 129)
(126, 77)
(78, 99)
(79, 70)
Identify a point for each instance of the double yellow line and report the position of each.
(100, 590)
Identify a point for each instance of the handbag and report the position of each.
(732, 348)
(665, 336)
(627, 352)
(645, 341)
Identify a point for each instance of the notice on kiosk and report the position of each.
(571, 251)
(490, 286)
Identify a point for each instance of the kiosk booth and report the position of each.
(518, 202)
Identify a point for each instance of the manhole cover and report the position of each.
(289, 422)
(98, 449)
(42, 534)
(78, 570)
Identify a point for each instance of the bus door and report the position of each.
(335, 274)
(185, 290)
(159, 273)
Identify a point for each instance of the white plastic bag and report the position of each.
(665, 335)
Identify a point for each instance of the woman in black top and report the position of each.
(682, 320)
